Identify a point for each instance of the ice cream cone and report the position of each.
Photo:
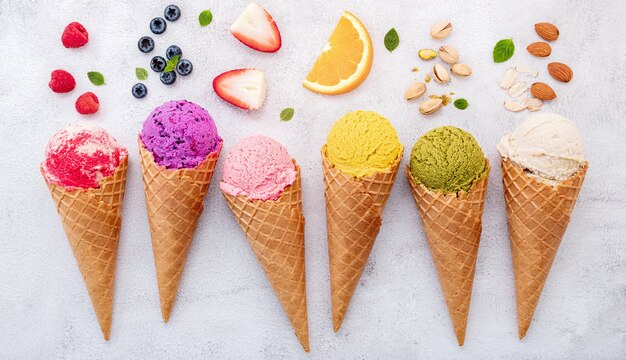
(92, 220)
(275, 231)
(354, 209)
(453, 224)
(175, 199)
(538, 215)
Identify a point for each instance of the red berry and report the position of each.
(87, 103)
(74, 36)
(61, 81)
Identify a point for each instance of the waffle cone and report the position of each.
(538, 216)
(354, 209)
(275, 231)
(92, 220)
(174, 199)
(453, 224)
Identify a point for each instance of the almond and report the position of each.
(542, 91)
(547, 31)
(560, 72)
(540, 49)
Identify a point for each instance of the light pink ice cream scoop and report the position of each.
(258, 168)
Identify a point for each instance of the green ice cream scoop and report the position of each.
(447, 159)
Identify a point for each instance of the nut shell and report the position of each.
(560, 72)
(440, 74)
(539, 49)
(431, 106)
(441, 30)
(415, 91)
(547, 31)
(448, 54)
(461, 70)
(542, 91)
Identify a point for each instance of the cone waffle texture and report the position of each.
(175, 199)
(275, 231)
(354, 209)
(92, 220)
(538, 215)
(453, 224)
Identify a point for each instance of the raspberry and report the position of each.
(74, 36)
(87, 103)
(61, 81)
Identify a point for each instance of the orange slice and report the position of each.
(346, 60)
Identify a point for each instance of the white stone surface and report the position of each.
(225, 306)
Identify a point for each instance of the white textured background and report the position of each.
(225, 306)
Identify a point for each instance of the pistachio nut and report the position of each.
(415, 91)
(461, 69)
(448, 54)
(440, 74)
(441, 30)
(431, 106)
(427, 54)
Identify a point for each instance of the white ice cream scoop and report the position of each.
(548, 146)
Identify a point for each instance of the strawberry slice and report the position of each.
(245, 88)
(256, 29)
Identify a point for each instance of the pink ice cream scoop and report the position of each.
(180, 134)
(80, 156)
(259, 168)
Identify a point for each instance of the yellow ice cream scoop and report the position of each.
(362, 143)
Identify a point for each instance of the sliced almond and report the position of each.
(415, 91)
(518, 90)
(514, 106)
(526, 70)
(448, 54)
(508, 79)
(441, 74)
(431, 106)
(533, 104)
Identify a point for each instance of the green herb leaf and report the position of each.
(171, 64)
(205, 18)
(461, 104)
(141, 73)
(503, 50)
(392, 40)
(96, 78)
(286, 114)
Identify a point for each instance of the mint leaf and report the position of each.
(171, 64)
(392, 40)
(205, 18)
(96, 78)
(141, 73)
(461, 104)
(286, 114)
(503, 50)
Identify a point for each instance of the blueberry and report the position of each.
(172, 51)
(184, 67)
(158, 63)
(145, 44)
(140, 90)
(158, 25)
(168, 78)
(171, 13)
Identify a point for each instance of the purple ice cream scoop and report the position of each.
(180, 134)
